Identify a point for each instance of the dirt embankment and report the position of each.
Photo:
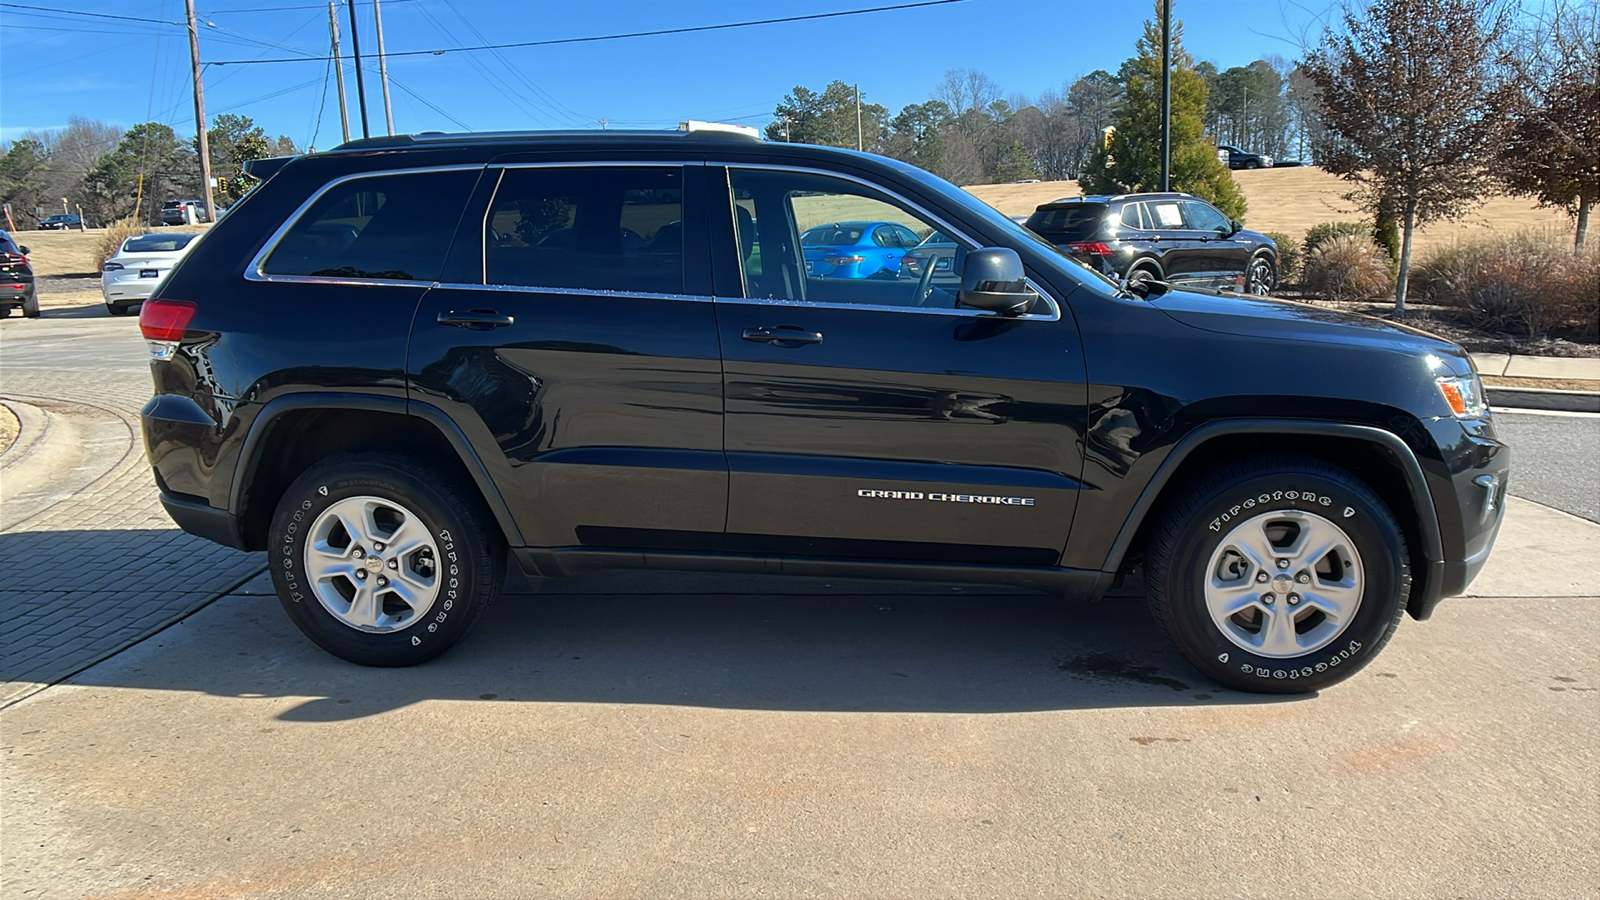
(1291, 200)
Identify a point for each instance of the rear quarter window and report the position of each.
(393, 227)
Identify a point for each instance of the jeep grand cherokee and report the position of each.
(398, 362)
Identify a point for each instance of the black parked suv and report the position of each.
(396, 363)
(1173, 238)
(17, 289)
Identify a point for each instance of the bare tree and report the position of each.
(1551, 102)
(1403, 93)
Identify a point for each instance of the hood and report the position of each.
(1281, 320)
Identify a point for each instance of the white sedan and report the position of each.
(138, 267)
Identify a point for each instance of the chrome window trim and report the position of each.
(254, 272)
(943, 225)
(488, 210)
(586, 292)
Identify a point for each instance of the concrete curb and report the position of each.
(1547, 399)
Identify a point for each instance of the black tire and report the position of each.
(1261, 278)
(1140, 273)
(1252, 164)
(4, 311)
(1190, 539)
(118, 310)
(30, 306)
(466, 553)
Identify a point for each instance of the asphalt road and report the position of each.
(1556, 459)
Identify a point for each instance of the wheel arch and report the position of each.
(290, 433)
(1379, 458)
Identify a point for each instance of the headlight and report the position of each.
(1464, 395)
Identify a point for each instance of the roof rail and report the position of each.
(684, 129)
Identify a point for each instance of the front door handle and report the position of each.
(475, 319)
(782, 335)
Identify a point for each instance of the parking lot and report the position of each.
(636, 735)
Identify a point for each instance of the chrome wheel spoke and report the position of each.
(363, 611)
(1251, 541)
(1337, 600)
(411, 535)
(1228, 599)
(1278, 638)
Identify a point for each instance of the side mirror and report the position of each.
(992, 279)
(1238, 226)
(25, 250)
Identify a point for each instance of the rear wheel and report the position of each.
(1252, 164)
(30, 306)
(1278, 574)
(381, 561)
(118, 309)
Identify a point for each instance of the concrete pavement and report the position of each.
(794, 740)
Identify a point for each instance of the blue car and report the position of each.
(856, 249)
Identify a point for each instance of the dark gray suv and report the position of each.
(1174, 238)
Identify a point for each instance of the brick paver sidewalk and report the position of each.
(104, 567)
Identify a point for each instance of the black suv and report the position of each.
(1172, 238)
(17, 289)
(395, 363)
(1234, 158)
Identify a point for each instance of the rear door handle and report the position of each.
(475, 319)
(782, 335)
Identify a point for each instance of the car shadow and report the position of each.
(687, 640)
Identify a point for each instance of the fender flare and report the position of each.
(272, 410)
(1416, 482)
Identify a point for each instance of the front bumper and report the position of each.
(1469, 498)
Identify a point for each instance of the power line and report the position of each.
(615, 37)
(73, 12)
(260, 9)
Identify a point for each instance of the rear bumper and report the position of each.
(205, 521)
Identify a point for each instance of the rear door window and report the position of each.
(390, 227)
(610, 228)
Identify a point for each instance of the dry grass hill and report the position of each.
(1292, 200)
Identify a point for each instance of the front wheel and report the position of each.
(1262, 278)
(1278, 575)
(381, 561)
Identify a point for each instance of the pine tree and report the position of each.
(1133, 161)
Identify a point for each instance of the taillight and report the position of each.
(1092, 248)
(843, 260)
(163, 322)
(13, 259)
(112, 267)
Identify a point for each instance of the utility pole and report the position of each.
(355, 51)
(200, 115)
(383, 69)
(338, 72)
(1166, 95)
(858, 117)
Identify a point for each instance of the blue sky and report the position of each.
(53, 66)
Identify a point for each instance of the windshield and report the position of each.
(157, 243)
